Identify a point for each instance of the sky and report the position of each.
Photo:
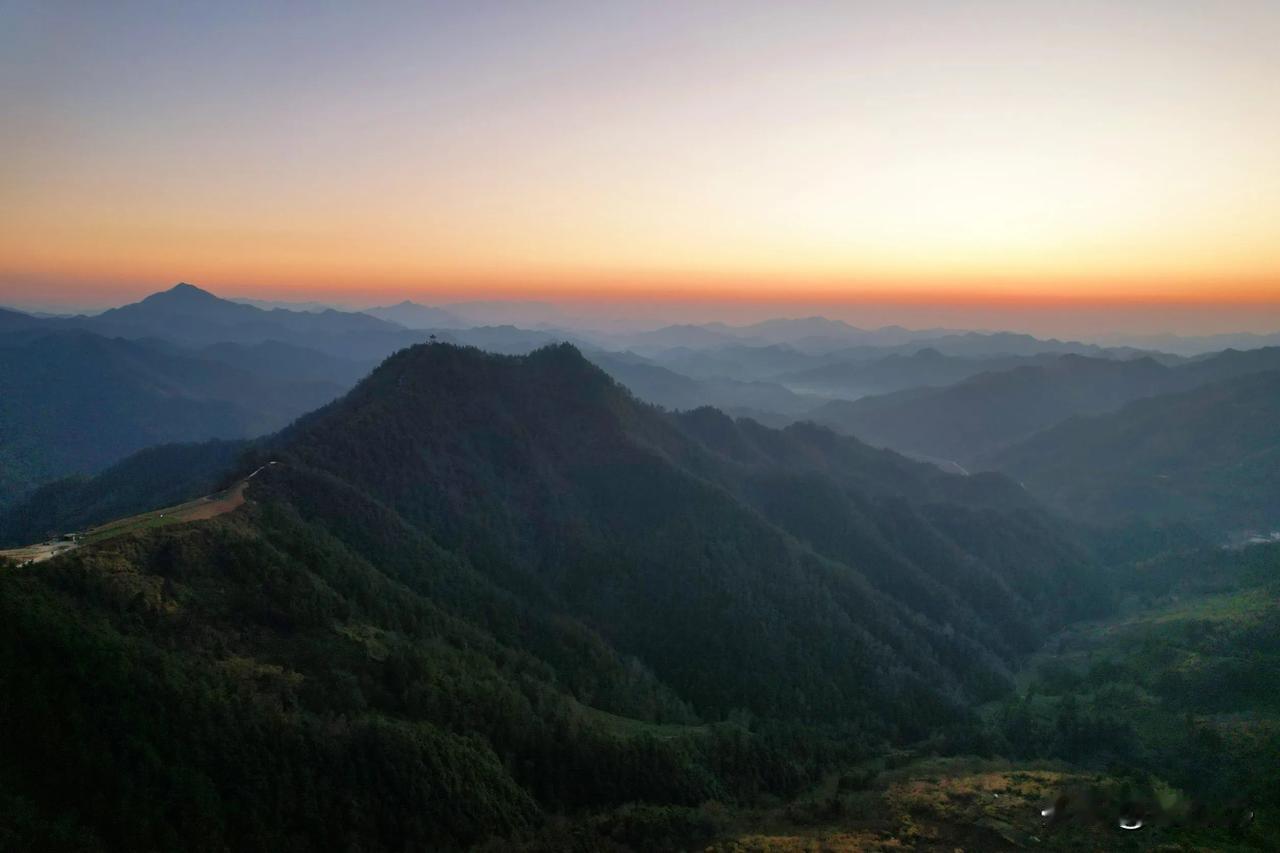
(1062, 166)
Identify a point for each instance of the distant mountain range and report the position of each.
(411, 315)
(80, 393)
(191, 317)
(660, 386)
(236, 370)
(1190, 345)
(187, 314)
(979, 415)
(1208, 457)
(74, 402)
(829, 339)
(896, 372)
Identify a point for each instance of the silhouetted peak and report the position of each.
(184, 294)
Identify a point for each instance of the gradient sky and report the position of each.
(988, 156)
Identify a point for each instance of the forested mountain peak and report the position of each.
(549, 475)
(504, 566)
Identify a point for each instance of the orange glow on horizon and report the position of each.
(676, 288)
(997, 156)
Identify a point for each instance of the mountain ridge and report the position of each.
(977, 416)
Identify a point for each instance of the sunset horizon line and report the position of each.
(1184, 314)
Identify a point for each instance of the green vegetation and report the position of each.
(250, 666)
(1183, 685)
(497, 602)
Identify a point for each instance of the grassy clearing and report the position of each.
(209, 506)
(196, 510)
(35, 553)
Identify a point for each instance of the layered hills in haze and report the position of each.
(1209, 457)
(979, 415)
(74, 402)
(80, 393)
(185, 365)
(191, 315)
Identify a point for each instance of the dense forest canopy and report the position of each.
(466, 531)
(478, 593)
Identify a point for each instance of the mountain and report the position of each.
(503, 312)
(1209, 457)
(194, 318)
(74, 403)
(811, 337)
(288, 305)
(808, 333)
(507, 340)
(412, 315)
(990, 410)
(981, 414)
(154, 477)
(783, 329)
(896, 372)
(14, 321)
(187, 314)
(288, 362)
(1227, 364)
(986, 344)
(737, 361)
(552, 430)
(479, 590)
(820, 336)
(669, 389)
(676, 336)
(1191, 345)
(845, 369)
